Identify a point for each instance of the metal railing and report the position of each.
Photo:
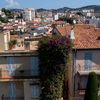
(12, 98)
(86, 68)
(20, 72)
(81, 91)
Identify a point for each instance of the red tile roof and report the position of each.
(86, 36)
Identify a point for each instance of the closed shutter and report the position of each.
(12, 91)
(35, 91)
(88, 61)
(34, 65)
(11, 66)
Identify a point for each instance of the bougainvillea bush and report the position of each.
(53, 54)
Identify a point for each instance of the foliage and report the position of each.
(53, 54)
(4, 20)
(20, 16)
(8, 13)
(68, 20)
(12, 43)
(92, 87)
(79, 13)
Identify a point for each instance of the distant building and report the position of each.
(4, 39)
(95, 21)
(56, 17)
(29, 14)
(88, 12)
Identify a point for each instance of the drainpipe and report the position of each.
(74, 69)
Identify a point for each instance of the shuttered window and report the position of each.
(88, 61)
(35, 91)
(12, 91)
(34, 65)
(11, 66)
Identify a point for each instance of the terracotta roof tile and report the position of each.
(86, 36)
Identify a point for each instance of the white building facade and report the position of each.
(29, 14)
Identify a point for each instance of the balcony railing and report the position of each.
(19, 73)
(81, 91)
(87, 70)
(13, 98)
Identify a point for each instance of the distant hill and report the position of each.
(95, 7)
(16, 10)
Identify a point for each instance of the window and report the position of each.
(12, 91)
(82, 83)
(35, 91)
(88, 61)
(34, 65)
(10, 66)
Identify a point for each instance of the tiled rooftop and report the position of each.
(86, 36)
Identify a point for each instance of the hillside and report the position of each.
(95, 7)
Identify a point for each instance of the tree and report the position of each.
(79, 13)
(8, 13)
(92, 87)
(53, 54)
(68, 20)
(3, 19)
(12, 43)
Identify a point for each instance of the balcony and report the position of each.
(85, 71)
(19, 74)
(81, 91)
(12, 98)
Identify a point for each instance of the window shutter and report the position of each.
(35, 91)
(12, 91)
(88, 61)
(34, 65)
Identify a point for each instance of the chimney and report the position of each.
(72, 36)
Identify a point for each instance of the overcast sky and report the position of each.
(47, 3)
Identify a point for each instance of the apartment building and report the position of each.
(29, 14)
(84, 59)
(19, 75)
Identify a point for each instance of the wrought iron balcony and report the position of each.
(84, 70)
(12, 98)
(18, 73)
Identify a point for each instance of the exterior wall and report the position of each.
(19, 77)
(28, 90)
(81, 55)
(21, 66)
(4, 39)
(81, 73)
(2, 42)
(5, 90)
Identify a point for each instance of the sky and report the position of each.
(49, 4)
